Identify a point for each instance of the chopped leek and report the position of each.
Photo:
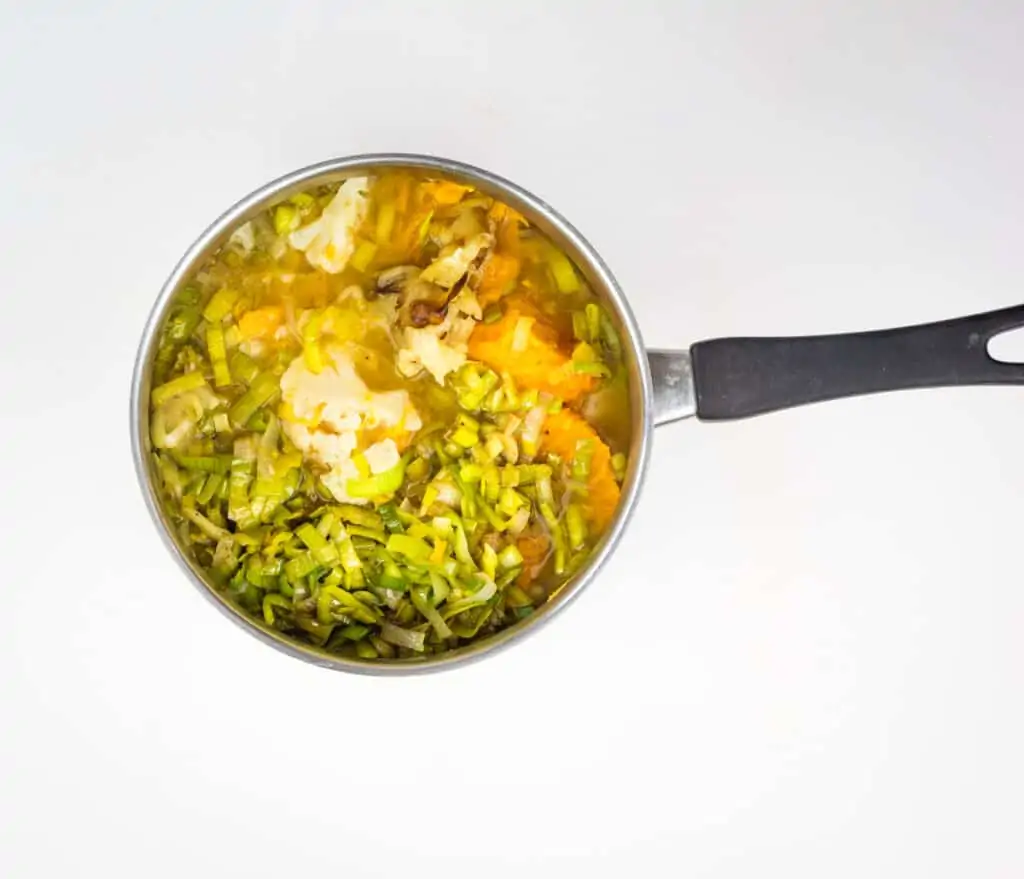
(210, 488)
(563, 272)
(360, 515)
(489, 561)
(182, 324)
(262, 390)
(218, 355)
(429, 612)
(377, 485)
(286, 219)
(402, 637)
(206, 463)
(366, 650)
(311, 537)
(212, 531)
(190, 381)
(483, 595)
(510, 557)
(220, 305)
(244, 367)
(581, 460)
(610, 337)
(414, 548)
(242, 466)
(389, 515)
(585, 360)
(593, 317)
(591, 367)
(301, 566)
(576, 526)
(270, 602)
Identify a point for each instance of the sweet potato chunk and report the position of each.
(499, 273)
(536, 362)
(562, 430)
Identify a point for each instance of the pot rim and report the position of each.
(552, 223)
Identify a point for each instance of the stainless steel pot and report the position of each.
(716, 379)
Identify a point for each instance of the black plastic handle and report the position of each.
(735, 378)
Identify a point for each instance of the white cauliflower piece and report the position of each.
(320, 445)
(330, 239)
(382, 456)
(338, 477)
(330, 410)
(423, 349)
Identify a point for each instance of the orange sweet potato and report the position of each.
(498, 274)
(540, 364)
(535, 549)
(507, 223)
(562, 431)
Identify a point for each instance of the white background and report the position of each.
(805, 658)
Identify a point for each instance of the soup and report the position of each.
(389, 417)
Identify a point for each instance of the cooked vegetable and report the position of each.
(497, 278)
(366, 417)
(190, 381)
(217, 350)
(569, 436)
(220, 304)
(563, 272)
(529, 350)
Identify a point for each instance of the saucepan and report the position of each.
(712, 380)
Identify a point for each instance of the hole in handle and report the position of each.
(1008, 346)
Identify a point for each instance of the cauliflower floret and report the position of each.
(334, 397)
(326, 413)
(321, 445)
(338, 477)
(330, 239)
(390, 408)
(382, 456)
(423, 349)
